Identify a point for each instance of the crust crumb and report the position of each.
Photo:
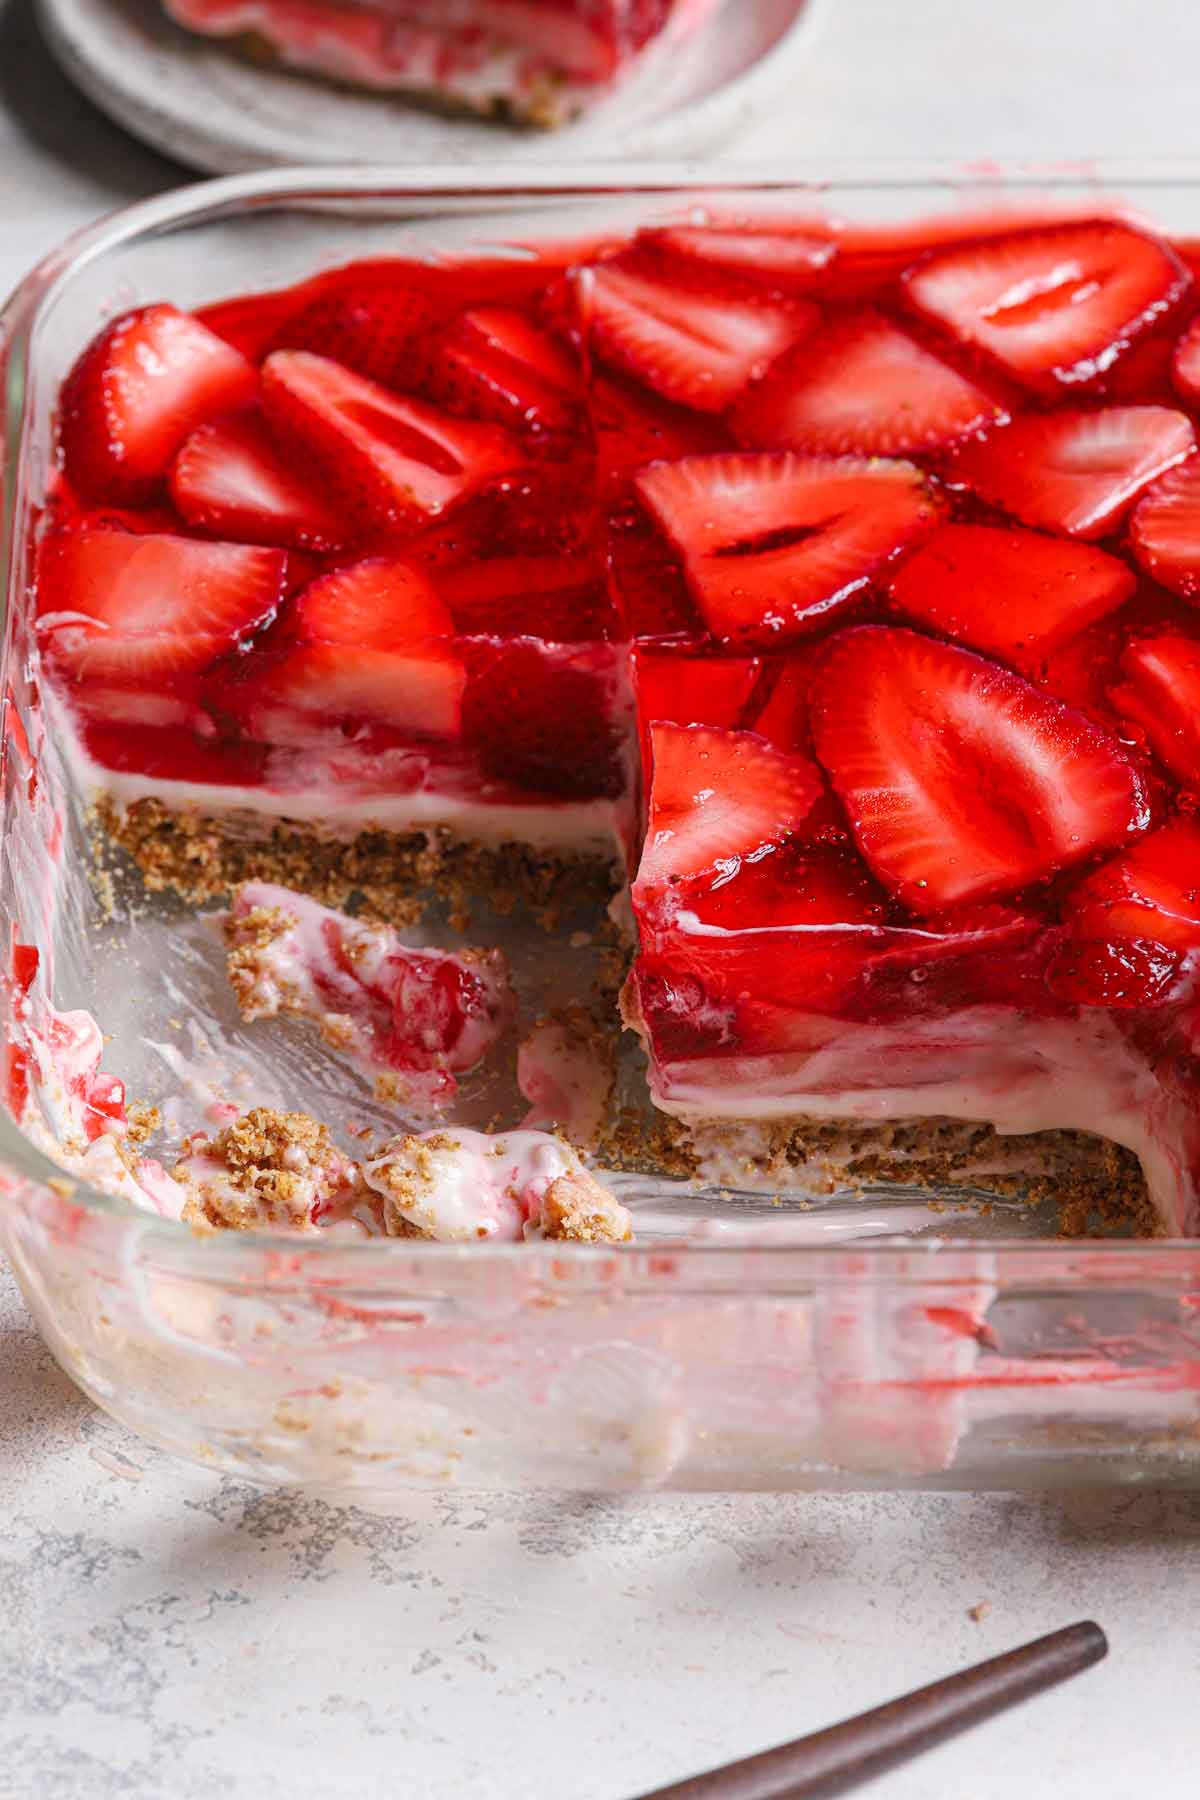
(142, 1121)
(266, 1168)
(578, 1210)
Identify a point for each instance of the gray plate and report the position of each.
(204, 105)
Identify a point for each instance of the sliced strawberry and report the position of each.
(1143, 375)
(95, 656)
(1057, 306)
(796, 884)
(1016, 594)
(369, 327)
(562, 598)
(697, 346)
(229, 479)
(1185, 363)
(780, 258)
(1164, 530)
(380, 603)
(680, 689)
(391, 459)
(1075, 472)
(135, 394)
(1160, 696)
(158, 586)
(960, 779)
(782, 717)
(544, 717)
(773, 543)
(250, 322)
(312, 690)
(495, 363)
(861, 384)
(1123, 973)
(717, 800)
(1152, 892)
(134, 681)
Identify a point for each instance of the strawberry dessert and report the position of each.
(538, 62)
(335, 557)
(831, 593)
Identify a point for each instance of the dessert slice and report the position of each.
(536, 61)
(913, 727)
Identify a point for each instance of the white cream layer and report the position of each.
(986, 1064)
(572, 827)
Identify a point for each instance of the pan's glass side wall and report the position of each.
(375, 1367)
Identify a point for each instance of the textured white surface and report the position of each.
(168, 1636)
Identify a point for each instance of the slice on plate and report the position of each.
(1075, 472)
(1055, 307)
(959, 779)
(772, 543)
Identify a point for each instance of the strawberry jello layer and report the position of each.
(538, 61)
(839, 588)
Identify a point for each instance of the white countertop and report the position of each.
(166, 1635)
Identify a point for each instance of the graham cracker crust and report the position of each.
(1095, 1186)
(202, 857)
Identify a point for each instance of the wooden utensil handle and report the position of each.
(832, 1761)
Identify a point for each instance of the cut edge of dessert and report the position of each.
(829, 602)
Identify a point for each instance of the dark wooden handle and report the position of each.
(833, 1761)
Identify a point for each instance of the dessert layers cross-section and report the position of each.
(832, 594)
(538, 62)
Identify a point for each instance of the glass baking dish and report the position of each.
(731, 1346)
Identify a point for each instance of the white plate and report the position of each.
(200, 103)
